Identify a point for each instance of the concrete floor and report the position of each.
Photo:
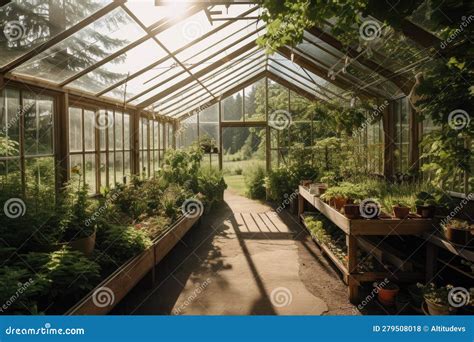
(244, 259)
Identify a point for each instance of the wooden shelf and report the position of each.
(381, 226)
(459, 251)
(327, 251)
(457, 269)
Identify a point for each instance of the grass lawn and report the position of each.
(236, 183)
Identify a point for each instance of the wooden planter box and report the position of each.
(128, 275)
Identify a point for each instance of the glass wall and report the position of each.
(26, 139)
(401, 112)
(155, 138)
(99, 147)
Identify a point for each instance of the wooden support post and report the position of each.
(352, 267)
(62, 140)
(136, 143)
(300, 205)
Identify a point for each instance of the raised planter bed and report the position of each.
(116, 286)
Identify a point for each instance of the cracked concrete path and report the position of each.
(244, 259)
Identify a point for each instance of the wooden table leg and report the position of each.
(300, 205)
(352, 268)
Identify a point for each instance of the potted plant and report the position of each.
(425, 205)
(387, 292)
(208, 145)
(459, 232)
(401, 210)
(436, 299)
(78, 225)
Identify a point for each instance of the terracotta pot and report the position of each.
(85, 245)
(459, 236)
(352, 211)
(401, 212)
(387, 295)
(437, 309)
(426, 211)
(339, 202)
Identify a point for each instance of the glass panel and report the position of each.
(118, 131)
(103, 170)
(119, 167)
(85, 48)
(232, 107)
(90, 172)
(89, 130)
(27, 24)
(189, 131)
(102, 118)
(110, 130)
(75, 162)
(75, 129)
(254, 101)
(118, 68)
(126, 131)
(40, 174)
(111, 169)
(127, 167)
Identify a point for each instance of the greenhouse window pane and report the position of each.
(29, 23)
(232, 107)
(126, 133)
(75, 130)
(85, 48)
(120, 67)
(118, 131)
(254, 101)
(89, 130)
(90, 172)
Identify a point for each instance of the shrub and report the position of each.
(117, 244)
(255, 182)
(211, 183)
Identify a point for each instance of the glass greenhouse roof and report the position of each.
(175, 58)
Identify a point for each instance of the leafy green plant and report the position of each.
(117, 244)
(436, 295)
(255, 182)
(211, 184)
